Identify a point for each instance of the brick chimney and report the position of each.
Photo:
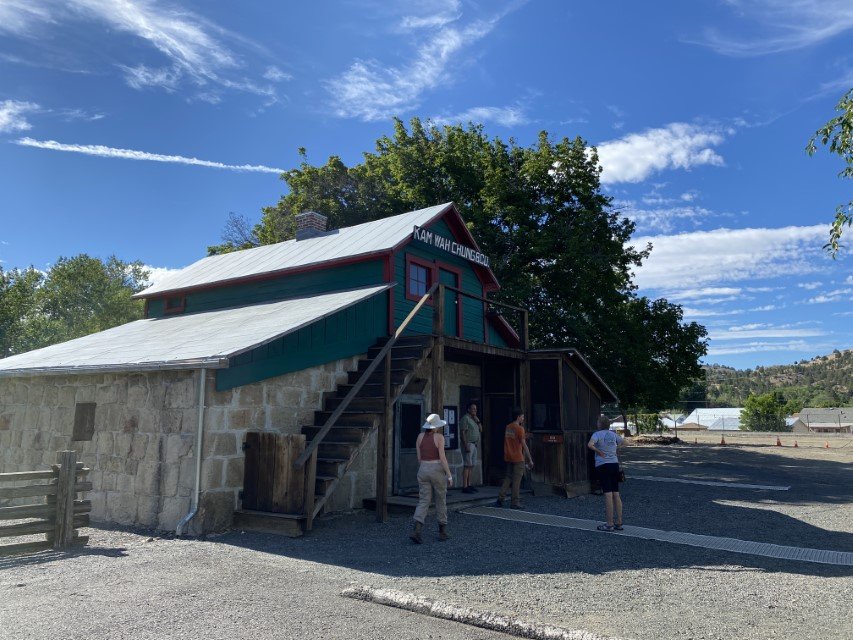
(310, 224)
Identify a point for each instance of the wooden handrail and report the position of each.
(482, 299)
(315, 442)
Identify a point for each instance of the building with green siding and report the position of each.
(256, 386)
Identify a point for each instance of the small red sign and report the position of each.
(552, 438)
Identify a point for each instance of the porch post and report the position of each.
(525, 366)
(437, 396)
(382, 445)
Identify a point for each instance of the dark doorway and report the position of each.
(408, 419)
(498, 414)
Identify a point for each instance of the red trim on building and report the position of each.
(169, 305)
(431, 271)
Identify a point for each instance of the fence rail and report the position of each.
(61, 515)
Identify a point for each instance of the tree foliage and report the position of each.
(763, 413)
(838, 134)
(77, 296)
(556, 244)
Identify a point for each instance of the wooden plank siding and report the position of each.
(346, 333)
(472, 310)
(351, 276)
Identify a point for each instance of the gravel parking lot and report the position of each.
(132, 584)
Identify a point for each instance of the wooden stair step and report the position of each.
(398, 376)
(407, 363)
(366, 418)
(406, 340)
(339, 433)
(364, 404)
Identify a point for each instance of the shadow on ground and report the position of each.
(481, 546)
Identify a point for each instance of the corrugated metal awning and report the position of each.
(190, 341)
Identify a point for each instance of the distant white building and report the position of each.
(715, 419)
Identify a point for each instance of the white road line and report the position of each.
(820, 556)
(710, 483)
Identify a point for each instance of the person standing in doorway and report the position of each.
(605, 443)
(470, 430)
(433, 477)
(516, 455)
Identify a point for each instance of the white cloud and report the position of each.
(504, 116)
(710, 313)
(274, 74)
(156, 274)
(664, 219)
(766, 307)
(781, 25)
(131, 154)
(757, 347)
(369, 91)
(678, 145)
(195, 49)
(700, 258)
(808, 286)
(836, 295)
(705, 292)
(433, 14)
(848, 280)
(13, 114)
(21, 16)
(742, 334)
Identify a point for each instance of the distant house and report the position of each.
(814, 420)
(715, 419)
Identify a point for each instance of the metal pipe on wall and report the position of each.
(179, 530)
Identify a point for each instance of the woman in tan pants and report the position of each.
(433, 476)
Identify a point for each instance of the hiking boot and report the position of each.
(415, 536)
(499, 502)
(516, 506)
(442, 532)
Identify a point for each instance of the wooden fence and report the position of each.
(58, 518)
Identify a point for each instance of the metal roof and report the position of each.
(362, 239)
(194, 340)
(717, 418)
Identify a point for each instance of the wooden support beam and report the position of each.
(437, 396)
(382, 440)
(310, 489)
(65, 493)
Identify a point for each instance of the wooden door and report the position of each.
(451, 302)
(270, 482)
(408, 419)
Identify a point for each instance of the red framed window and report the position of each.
(174, 304)
(420, 275)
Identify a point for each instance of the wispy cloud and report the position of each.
(809, 286)
(678, 145)
(774, 26)
(196, 51)
(504, 116)
(710, 313)
(132, 154)
(274, 74)
(688, 260)
(663, 219)
(431, 14)
(835, 295)
(799, 346)
(13, 114)
(370, 90)
(733, 334)
(704, 292)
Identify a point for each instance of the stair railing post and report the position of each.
(310, 490)
(63, 532)
(382, 446)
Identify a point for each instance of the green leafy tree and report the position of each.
(77, 296)
(838, 134)
(557, 245)
(763, 413)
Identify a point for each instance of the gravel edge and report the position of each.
(483, 619)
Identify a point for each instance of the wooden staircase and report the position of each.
(351, 432)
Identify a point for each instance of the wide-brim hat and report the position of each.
(433, 421)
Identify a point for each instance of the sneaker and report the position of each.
(604, 527)
(618, 527)
(516, 506)
(499, 503)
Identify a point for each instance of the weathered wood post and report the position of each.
(310, 494)
(525, 365)
(437, 383)
(382, 440)
(63, 533)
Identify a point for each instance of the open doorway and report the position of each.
(408, 419)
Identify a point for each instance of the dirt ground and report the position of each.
(137, 584)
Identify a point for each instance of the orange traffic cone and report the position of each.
(778, 442)
(723, 440)
(796, 446)
(826, 444)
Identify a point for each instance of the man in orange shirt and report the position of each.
(515, 455)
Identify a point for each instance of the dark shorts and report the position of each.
(608, 476)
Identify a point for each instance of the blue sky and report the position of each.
(134, 127)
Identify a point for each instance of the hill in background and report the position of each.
(824, 381)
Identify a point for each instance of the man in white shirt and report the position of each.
(605, 443)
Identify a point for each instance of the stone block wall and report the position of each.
(142, 452)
